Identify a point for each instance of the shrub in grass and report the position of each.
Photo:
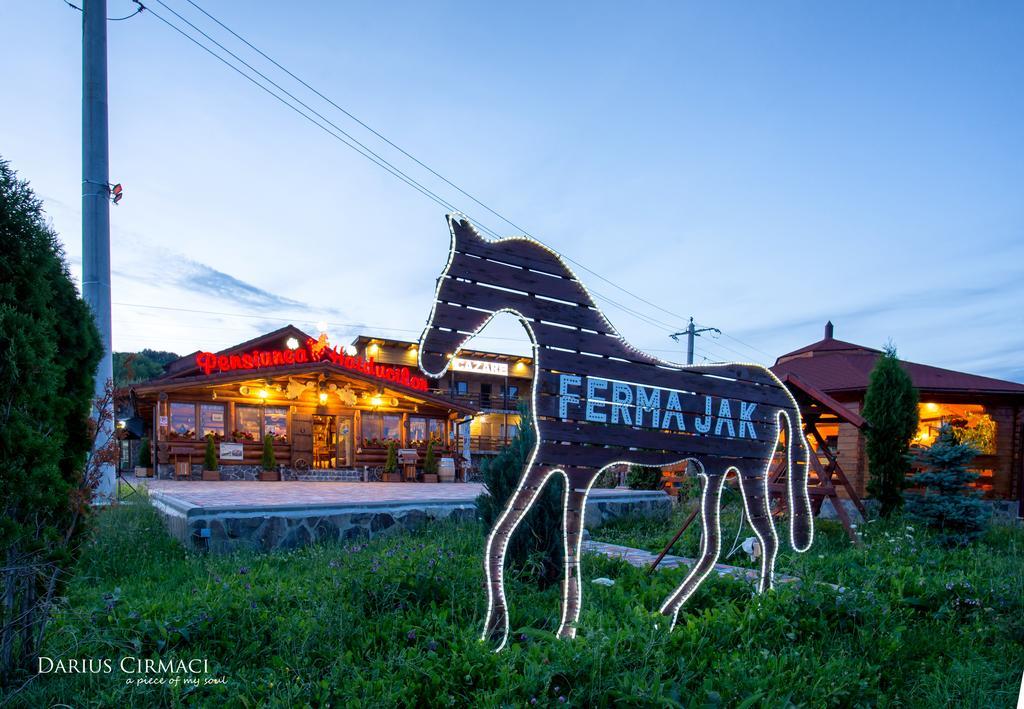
(537, 541)
(947, 503)
(269, 461)
(890, 406)
(643, 478)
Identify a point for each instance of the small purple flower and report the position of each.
(243, 571)
(533, 700)
(432, 646)
(252, 604)
(411, 635)
(334, 563)
(431, 562)
(248, 587)
(561, 699)
(522, 638)
(217, 579)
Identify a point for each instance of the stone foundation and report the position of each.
(227, 528)
(252, 472)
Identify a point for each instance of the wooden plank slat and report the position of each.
(652, 439)
(702, 381)
(552, 454)
(763, 417)
(521, 279)
(594, 343)
(493, 299)
(519, 252)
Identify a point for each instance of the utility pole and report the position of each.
(691, 332)
(96, 210)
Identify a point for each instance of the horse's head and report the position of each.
(449, 326)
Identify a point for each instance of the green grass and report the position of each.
(396, 622)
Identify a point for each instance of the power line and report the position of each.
(361, 149)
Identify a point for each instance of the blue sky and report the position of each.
(762, 168)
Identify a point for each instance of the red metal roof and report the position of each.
(835, 366)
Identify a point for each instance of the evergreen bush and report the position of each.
(947, 503)
(391, 464)
(430, 460)
(537, 541)
(145, 459)
(890, 407)
(210, 458)
(269, 462)
(643, 478)
(49, 350)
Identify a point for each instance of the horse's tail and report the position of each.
(801, 525)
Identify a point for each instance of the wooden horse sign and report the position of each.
(597, 402)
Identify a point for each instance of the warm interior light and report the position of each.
(931, 406)
(323, 397)
(292, 343)
(520, 366)
(263, 393)
(375, 400)
(373, 349)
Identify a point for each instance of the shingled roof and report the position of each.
(835, 366)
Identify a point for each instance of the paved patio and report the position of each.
(228, 494)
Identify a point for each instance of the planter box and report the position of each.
(430, 477)
(391, 477)
(211, 475)
(269, 475)
(141, 472)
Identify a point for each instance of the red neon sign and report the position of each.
(316, 351)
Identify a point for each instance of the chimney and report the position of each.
(828, 330)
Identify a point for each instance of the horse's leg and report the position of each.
(496, 623)
(755, 501)
(710, 544)
(577, 486)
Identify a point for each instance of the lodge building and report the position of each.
(329, 408)
(988, 412)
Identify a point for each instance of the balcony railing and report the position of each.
(482, 402)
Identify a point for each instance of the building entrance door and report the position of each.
(325, 441)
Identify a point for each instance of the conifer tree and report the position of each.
(430, 460)
(210, 458)
(947, 503)
(538, 538)
(269, 461)
(145, 454)
(391, 464)
(890, 407)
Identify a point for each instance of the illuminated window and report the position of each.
(275, 422)
(970, 423)
(417, 429)
(435, 427)
(392, 427)
(182, 420)
(372, 426)
(247, 423)
(211, 420)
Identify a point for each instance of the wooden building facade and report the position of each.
(989, 412)
(325, 407)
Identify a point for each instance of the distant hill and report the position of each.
(135, 367)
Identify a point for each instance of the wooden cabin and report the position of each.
(990, 412)
(326, 407)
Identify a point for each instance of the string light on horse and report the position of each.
(597, 401)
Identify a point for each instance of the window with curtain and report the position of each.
(275, 422)
(211, 420)
(392, 427)
(247, 423)
(435, 427)
(372, 428)
(417, 429)
(182, 420)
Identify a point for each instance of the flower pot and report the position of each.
(141, 472)
(392, 477)
(430, 477)
(211, 475)
(269, 475)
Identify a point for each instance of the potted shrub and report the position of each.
(210, 467)
(142, 467)
(268, 464)
(391, 464)
(430, 464)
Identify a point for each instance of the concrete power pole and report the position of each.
(96, 208)
(691, 332)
